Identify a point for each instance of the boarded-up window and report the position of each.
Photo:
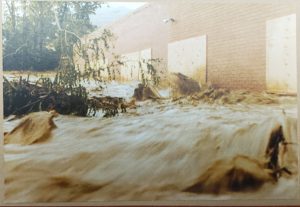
(188, 57)
(281, 55)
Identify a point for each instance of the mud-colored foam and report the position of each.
(35, 127)
(154, 154)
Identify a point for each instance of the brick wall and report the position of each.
(141, 30)
(236, 36)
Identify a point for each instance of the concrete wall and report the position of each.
(236, 36)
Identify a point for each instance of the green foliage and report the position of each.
(43, 35)
(34, 32)
(65, 94)
(47, 35)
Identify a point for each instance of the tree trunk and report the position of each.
(24, 36)
(13, 15)
(11, 9)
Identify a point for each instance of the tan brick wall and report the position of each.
(142, 30)
(236, 36)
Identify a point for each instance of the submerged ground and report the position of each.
(152, 152)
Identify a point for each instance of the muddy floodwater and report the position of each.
(152, 152)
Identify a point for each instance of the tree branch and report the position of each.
(16, 51)
(65, 30)
(9, 9)
(57, 21)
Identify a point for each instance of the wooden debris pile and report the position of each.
(109, 105)
(22, 97)
(182, 85)
(145, 92)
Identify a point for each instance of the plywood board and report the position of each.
(281, 55)
(188, 57)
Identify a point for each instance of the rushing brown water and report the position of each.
(153, 152)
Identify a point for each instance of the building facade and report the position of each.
(238, 46)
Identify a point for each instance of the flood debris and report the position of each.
(243, 173)
(145, 92)
(34, 128)
(239, 174)
(276, 141)
(111, 106)
(211, 95)
(182, 85)
(23, 97)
